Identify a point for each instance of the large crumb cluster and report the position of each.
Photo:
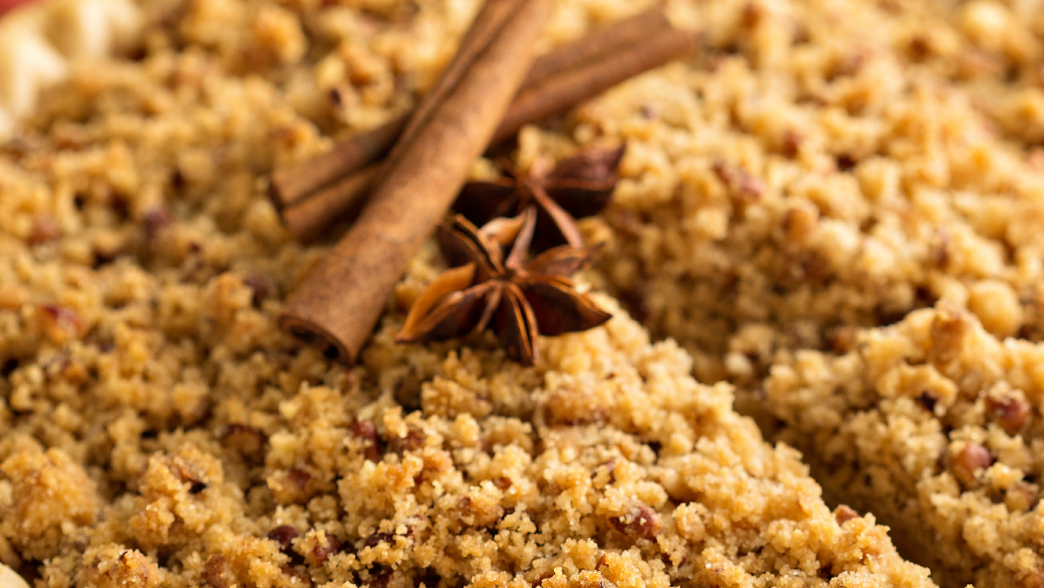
(156, 428)
(936, 426)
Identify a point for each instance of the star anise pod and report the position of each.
(577, 187)
(518, 298)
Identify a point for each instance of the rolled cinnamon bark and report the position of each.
(291, 185)
(611, 39)
(301, 180)
(488, 23)
(308, 219)
(340, 300)
(572, 86)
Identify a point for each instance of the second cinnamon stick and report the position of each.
(290, 185)
(609, 39)
(312, 217)
(299, 181)
(570, 87)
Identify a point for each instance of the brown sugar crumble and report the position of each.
(830, 218)
(934, 425)
(832, 169)
(813, 173)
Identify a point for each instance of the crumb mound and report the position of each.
(157, 429)
(935, 425)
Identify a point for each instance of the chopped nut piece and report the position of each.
(411, 441)
(60, 323)
(1010, 412)
(970, 462)
(45, 229)
(248, 441)
(1034, 579)
(743, 187)
(154, 221)
(641, 522)
(325, 546)
(262, 287)
(381, 578)
(844, 513)
(366, 431)
(218, 572)
(284, 535)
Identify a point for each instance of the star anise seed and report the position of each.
(577, 187)
(520, 299)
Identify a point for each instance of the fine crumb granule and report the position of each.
(935, 425)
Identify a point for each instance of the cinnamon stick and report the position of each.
(559, 92)
(308, 220)
(488, 23)
(298, 181)
(607, 40)
(292, 184)
(339, 301)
